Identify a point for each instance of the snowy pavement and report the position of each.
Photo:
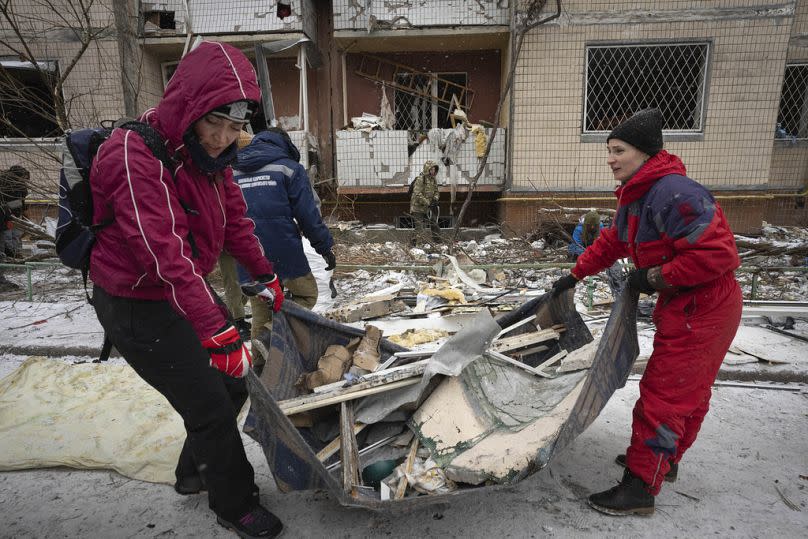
(745, 477)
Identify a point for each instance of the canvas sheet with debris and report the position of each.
(494, 404)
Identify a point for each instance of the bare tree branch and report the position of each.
(528, 21)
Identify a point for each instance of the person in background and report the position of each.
(282, 204)
(13, 190)
(684, 251)
(166, 232)
(424, 204)
(584, 235)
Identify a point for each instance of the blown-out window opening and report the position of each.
(27, 104)
(422, 101)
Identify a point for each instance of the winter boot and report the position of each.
(629, 497)
(191, 484)
(670, 477)
(258, 522)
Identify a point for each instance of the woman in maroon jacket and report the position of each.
(683, 249)
(163, 232)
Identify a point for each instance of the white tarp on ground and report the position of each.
(87, 416)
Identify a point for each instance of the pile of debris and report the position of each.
(357, 414)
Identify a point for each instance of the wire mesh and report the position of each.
(792, 118)
(620, 80)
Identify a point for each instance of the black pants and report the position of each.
(162, 347)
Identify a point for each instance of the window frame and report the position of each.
(49, 65)
(790, 138)
(677, 134)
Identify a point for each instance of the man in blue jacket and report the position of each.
(585, 234)
(281, 201)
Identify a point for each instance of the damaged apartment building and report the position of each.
(371, 90)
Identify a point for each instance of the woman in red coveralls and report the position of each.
(683, 249)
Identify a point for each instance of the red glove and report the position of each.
(273, 293)
(228, 353)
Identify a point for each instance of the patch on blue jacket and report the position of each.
(664, 442)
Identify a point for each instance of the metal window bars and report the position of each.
(623, 79)
(792, 118)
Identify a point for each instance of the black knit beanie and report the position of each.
(643, 131)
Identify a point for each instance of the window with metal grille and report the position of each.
(623, 79)
(792, 119)
(424, 105)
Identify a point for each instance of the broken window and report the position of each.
(623, 79)
(158, 20)
(792, 118)
(26, 99)
(421, 100)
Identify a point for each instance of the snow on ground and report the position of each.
(742, 478)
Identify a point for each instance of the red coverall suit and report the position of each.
(666, 219)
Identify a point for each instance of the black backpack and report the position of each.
(75, 231)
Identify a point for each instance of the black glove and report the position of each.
(638, 280)
(563, 284)
(330, 260)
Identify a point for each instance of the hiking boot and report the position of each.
(258, 522)
(243, 328)
(191, 484)
(629, 497)
(670, 477)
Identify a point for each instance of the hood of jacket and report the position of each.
(266, 147)
(661, 164)
(429, 164)
(192, 92)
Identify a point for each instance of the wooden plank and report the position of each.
(524, 340)
(519, 354)
(521, 323)
(557, 357)
(416, 353)
(335, 444)
(349, 451)
(502, 357)
(378, 377)
(311, 402)
(402, 485)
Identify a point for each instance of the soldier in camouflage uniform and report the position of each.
(424, 204)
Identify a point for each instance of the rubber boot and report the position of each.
(629, 497)
(670, 477)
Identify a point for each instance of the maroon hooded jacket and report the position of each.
(145, 252)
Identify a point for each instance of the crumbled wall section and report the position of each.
(744, 79)
(304, 143)
(379, 159)
(385, 15)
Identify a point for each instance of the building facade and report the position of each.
(370, 91)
